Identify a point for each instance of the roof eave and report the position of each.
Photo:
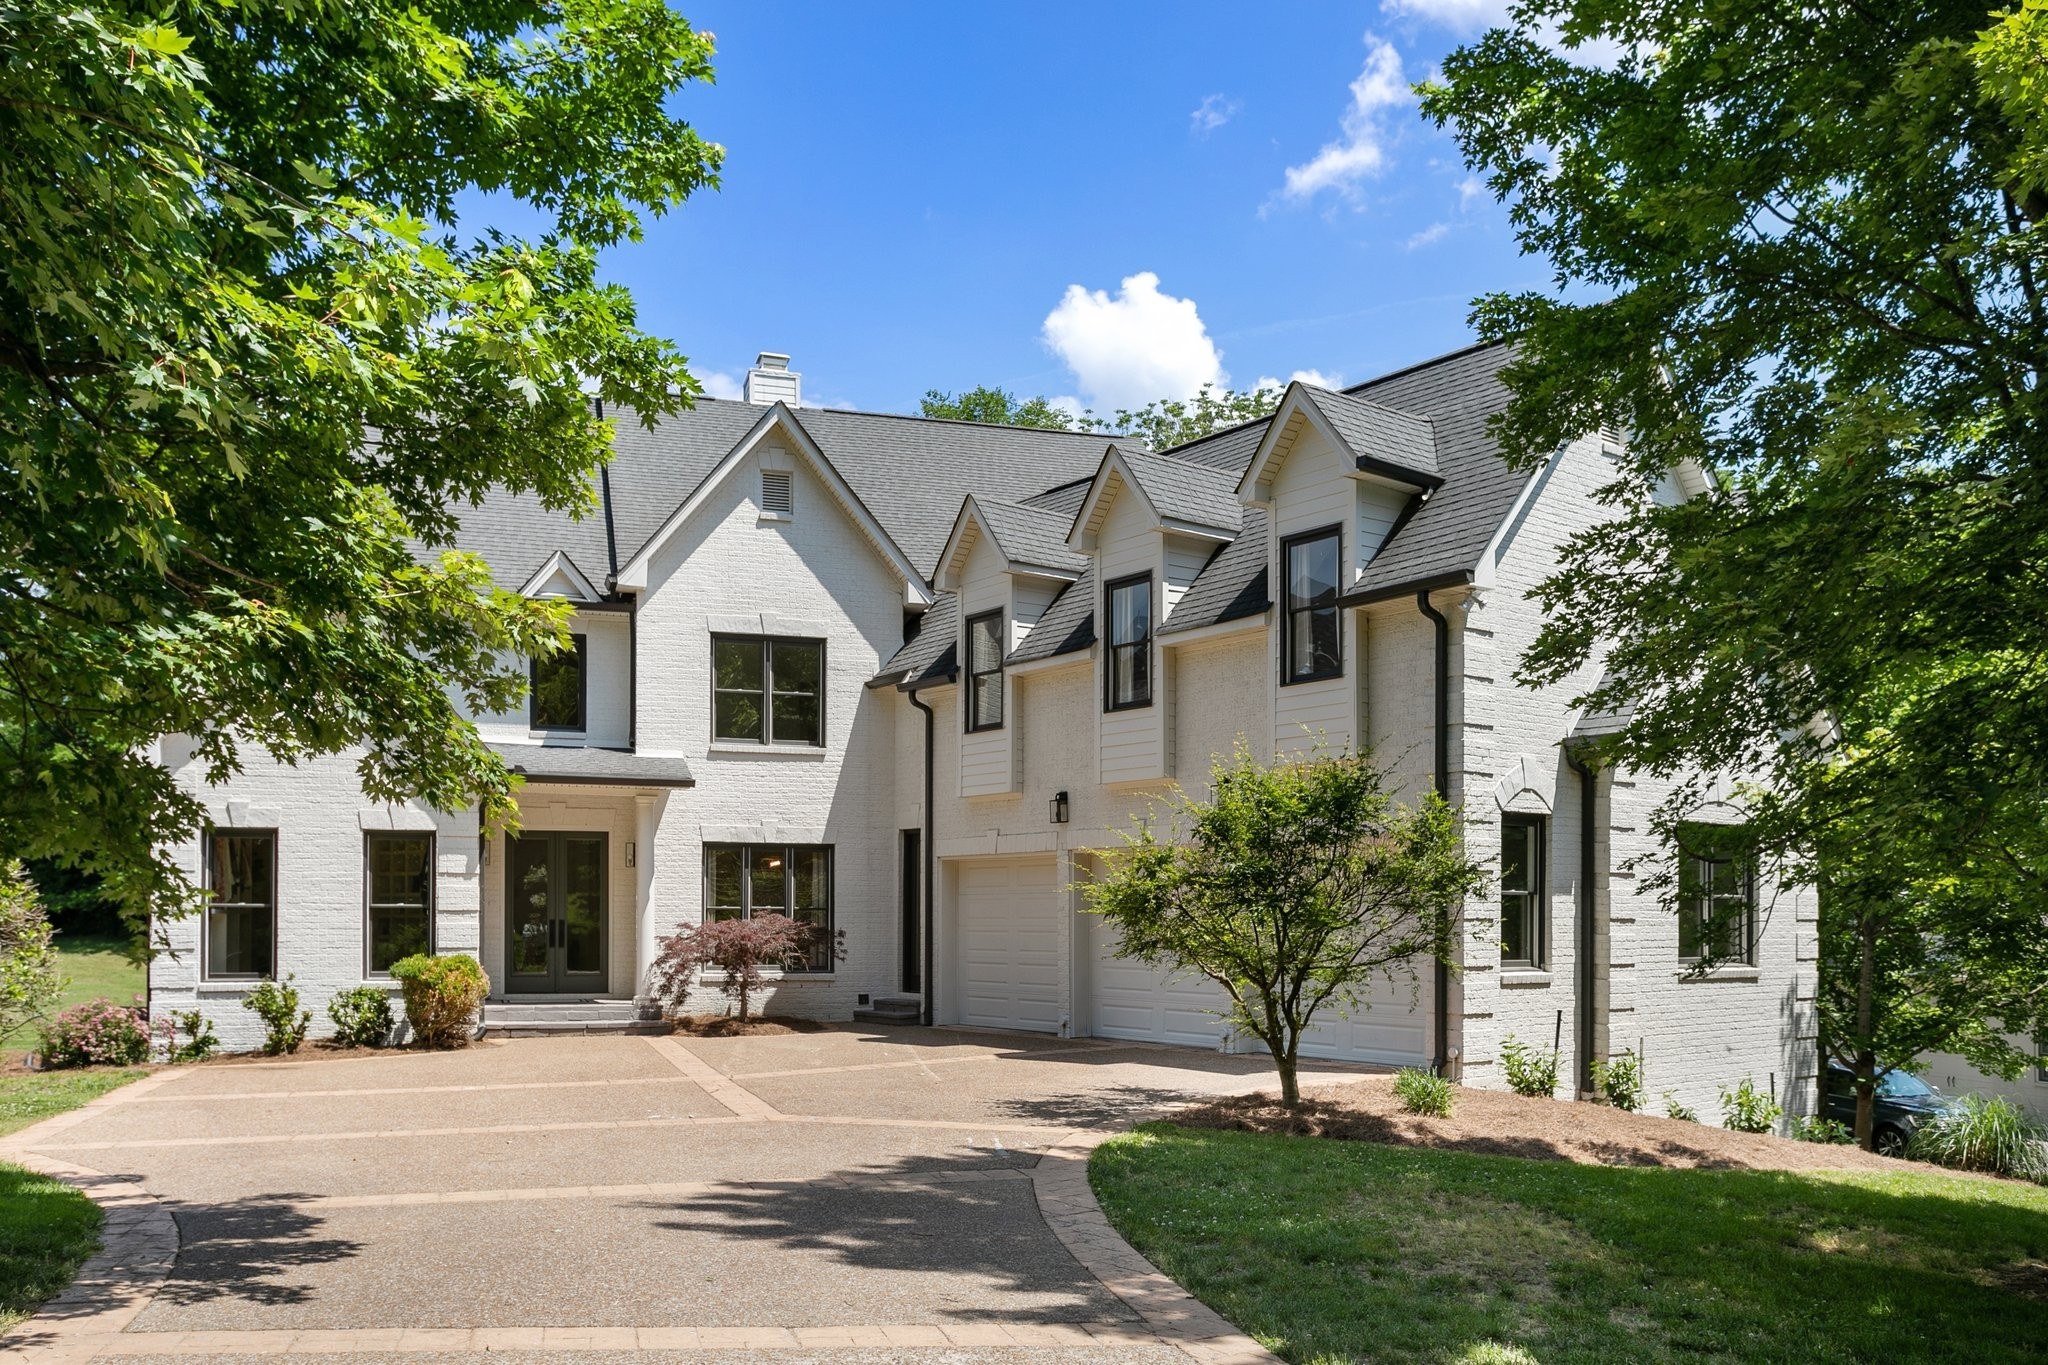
(1366, 597)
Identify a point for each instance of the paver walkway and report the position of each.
(848, 1195)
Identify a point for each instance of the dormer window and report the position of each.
(985, 672)
(1130, 643)
(1312, 633)
(558, 688)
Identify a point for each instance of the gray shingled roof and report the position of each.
(1066, 499)
(1604, 721)
(1031, 535)
(1379, 435)
(593, 767)
(932, 655)
(1181, 490)
(1067, 626)
(1445, 537)
(1231, 585)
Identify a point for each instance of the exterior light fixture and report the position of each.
(632, 854)
(1057, 808)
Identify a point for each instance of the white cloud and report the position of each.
(1212, 113)
(1361, 151)
(718, 384)
(1463, 16)
(1313, 377)
(1471, 190)
(1433, 233)
(1129, 349)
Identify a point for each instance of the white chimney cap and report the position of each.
(772, 381)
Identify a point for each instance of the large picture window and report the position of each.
(985, 671)
(241, 911)
(1130, 643)
(1717, 896)
(744, 880)
(559, 687)
(1312, 643)
(399, 872)
(767, 690)
(1522, 879)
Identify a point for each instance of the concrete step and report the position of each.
(508, 1017)
(891, 1009)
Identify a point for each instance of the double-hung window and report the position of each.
(559, 687)
(1523, 912)
(767, 690)
(1717, 896)
(1312, 633)
(985, 671)
(1130, 643)
(399, 872)
(745, 880)
(241, 909)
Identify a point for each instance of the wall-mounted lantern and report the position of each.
(1057, 808)
(632, 854)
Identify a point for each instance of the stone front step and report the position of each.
(509, 1018)
(890, 1009)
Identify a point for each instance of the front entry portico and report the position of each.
(556, 900)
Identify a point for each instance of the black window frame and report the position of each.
(371, 838)
(579, 647)
(823, 945)
(1701, 850)
(768, 644)
(1288, 611)
(1112, 646)
(1535, 909)
(208, 870)
(972, 710)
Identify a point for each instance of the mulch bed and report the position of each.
(729, 1026)
(1495, 1123)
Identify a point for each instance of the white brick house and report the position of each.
(793, 620)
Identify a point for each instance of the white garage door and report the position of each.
(1393, 1032)
(1010, 913)
(1143, 1003)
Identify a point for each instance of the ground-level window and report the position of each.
(1716, 895)
(1522, 880)
(399, 870)
(985, 671)
(767, 690)
(558, 687)
(1312, 640)
(744, 880)
(1130, 643)
(241, 909)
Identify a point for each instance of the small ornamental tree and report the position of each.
(30, 984)
(1293, 886)
(743, 949)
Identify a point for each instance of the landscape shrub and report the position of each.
(1746, 1109)
(284, 1023)
(1675, 1108)
(362, 1017)
(30, 982)
(441, 996)
(96, 1033)
(1422, 1092)
(1619, 1080)
(1820, 1129)
(200, 1042)
(740, 948)
(1977, 1133)
(1529, 1071)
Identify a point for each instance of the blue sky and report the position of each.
(920, 196)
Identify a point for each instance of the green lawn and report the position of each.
(1342, 1251)
(96, 966)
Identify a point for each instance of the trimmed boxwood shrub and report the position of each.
(97, 1033)
(441, 996)
(362, 1017)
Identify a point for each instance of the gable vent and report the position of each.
(1611, 438)
(777, 500)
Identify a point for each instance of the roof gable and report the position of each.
(1383, 443)
(559, 577)
(1028, 540)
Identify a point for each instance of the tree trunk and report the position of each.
(1290, 1084)
(1866, 1058)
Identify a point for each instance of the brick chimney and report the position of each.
(772, 381)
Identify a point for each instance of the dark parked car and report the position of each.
(1903, 1103)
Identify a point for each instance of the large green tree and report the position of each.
(1161, 424)
(1799, 258)
(994, 406)
(248, 367)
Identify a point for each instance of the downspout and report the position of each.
(1582, 975)
(611, 589)
(929, 983)
(1443, 789)
(611, 537)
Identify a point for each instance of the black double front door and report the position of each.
(555, 912)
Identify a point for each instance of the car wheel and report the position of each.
(1890, 1142)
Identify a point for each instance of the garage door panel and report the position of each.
(1148, 1004)
(1386, 1026)
(1009, 922)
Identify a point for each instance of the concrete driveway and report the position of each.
(857, 1194)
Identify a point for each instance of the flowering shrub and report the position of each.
(97, 1033)
(441, 996)
(741, 948)
(200, 1042)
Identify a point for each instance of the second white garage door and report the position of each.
(1010, 914)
